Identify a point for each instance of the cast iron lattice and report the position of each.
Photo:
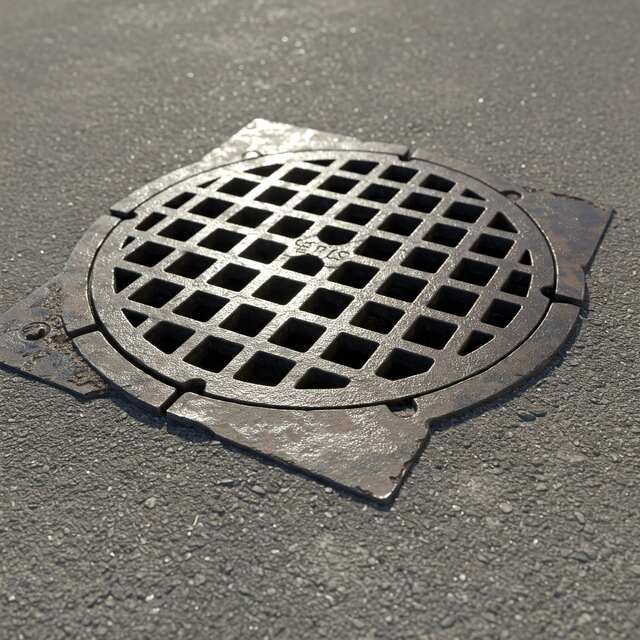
(318, 299)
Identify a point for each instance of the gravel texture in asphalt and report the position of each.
(521, 518)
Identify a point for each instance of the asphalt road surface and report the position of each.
(521, 518)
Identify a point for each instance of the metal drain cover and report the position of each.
(318, 299)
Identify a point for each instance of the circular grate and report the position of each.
(322, 279)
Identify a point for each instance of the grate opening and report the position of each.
(500, 313)
(201, 306)
(127, 241)
(208, 183)
(290, 227)
(248, 320)
(300, 176)
(457, 302)
(338, 184)
(150, 221)
(322, 163)
(464, 212)
(316, 378)
(149, 254)
(363, 167)
(156, 293)
(134, 318)
(335, 235)
(377, 317)
(402, 287)
(353, 274)
(379, 193)
(398, 174)
(213, 354)
(180, 200)
(297, 335)
(266, 171)
(526, 259)
(122, 278)
(263, 251)
(356, 214)
(327, 303)
(517, 283)
(181, 230)
(492, 246)
(211, 207)
(238, 187)
(445, 234)
(399, 224)
(317, 205)
(502, 223)
(234, 277)
(420, 202)
(250, 217)
(468, 193)
(167, 336)
(474, 272)
(430, 332)
(425, 260)
(437, 183)
(475, 340)
(307, 264)
(265, 369)
(222, 240)
(190, 265)
(401, 364)
(350, 350)
(276, 195)
(279, 290)
(378, 248)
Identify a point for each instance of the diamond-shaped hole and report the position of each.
(378, 193)
(378, 248)
(263, 251)
(316, 205)
(250, 217)
(150, 221)
(248, 320)
(430, 332)
(398, 174)
(464, 212)
(265, 369)
(279, 290)
(437, 183)
(122, 278)
(445, 234)
(401, 364)
(222, 240)
(298, 175)
(402, 287)
(356, 214)
(264, 171)
(475, 340)
(297, 335)
(149, 254)
(234, 277)
(377, 317)
(363, 167)
(190, 265)
(134, 318)
(457, 302)
(473, 272)
(420, 202)
(316, 378)
(211, 207)
(179, 200)
(327, 303)
(181, 230)
(156, 293)
(307, 264)
(238, 187)
(399, 224)
(276, 195)
(500, 313)
(335, 235)
(338, 184)
(517, 283)
(353, 274)
(290, 227)
(201, 306)
(167, 336)
(502, 223)
(350, 351)
(425, 260)
(492, 246)
(213, 354)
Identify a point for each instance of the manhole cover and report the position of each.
(320, 300)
